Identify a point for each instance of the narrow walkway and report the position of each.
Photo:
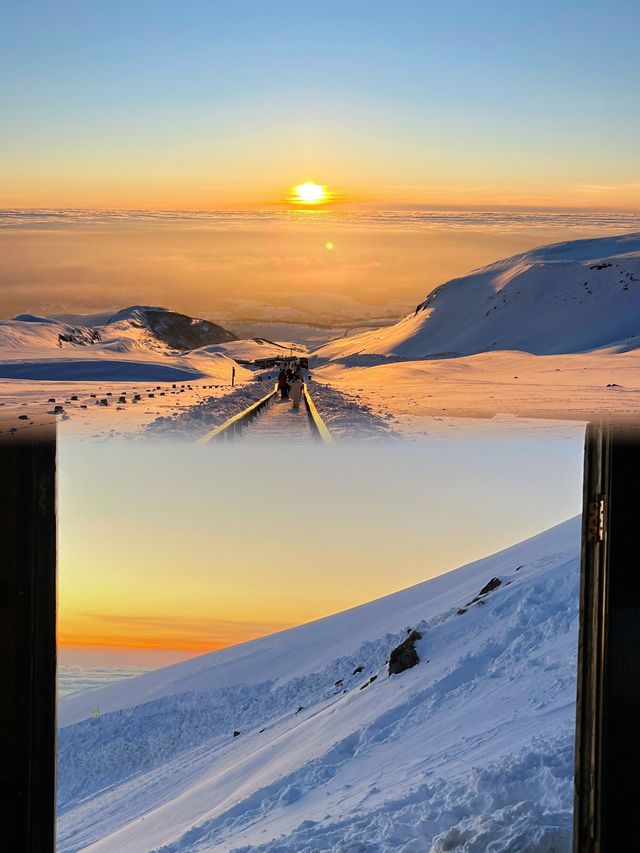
(279, 422)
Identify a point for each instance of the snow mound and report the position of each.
(564, 298)
(301, 741)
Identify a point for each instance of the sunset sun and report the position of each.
(309, 193)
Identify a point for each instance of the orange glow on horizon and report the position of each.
(173, 637)
(178, 644)
(161, 193)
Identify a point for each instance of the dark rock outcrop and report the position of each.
(177, 331)
(494, 583)
(405, 655)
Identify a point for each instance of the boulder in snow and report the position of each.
(494, 583)
(405, 655)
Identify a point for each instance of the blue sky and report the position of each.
(415, 101)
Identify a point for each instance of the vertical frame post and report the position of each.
(28, 643)
(608, 695)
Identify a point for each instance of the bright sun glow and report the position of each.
(309, 193)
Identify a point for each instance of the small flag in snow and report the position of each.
(96, 713)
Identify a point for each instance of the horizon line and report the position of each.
(335, 207)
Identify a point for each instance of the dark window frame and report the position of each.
(28, 642)
(608, 692)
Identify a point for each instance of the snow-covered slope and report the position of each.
(136, 344)
(27, 333)
(470, 750)
(173, 330)
(136, 328)
(253, 348)
(563, 298)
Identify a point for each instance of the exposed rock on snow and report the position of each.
(405, 655)
(494, 583)
(174, 330)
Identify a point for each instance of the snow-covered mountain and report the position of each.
(139, 343)
(29, 333)
(302, 742)
(564, 298)
(139, 327)
(175, 331)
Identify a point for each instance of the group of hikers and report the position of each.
(291, 383)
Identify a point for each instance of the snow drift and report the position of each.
(564, 298)
(302, 742)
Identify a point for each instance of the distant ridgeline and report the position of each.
(137, 327)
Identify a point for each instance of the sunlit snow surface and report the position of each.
(470, 750)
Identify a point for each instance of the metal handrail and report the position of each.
(317, 424)
(233, 426)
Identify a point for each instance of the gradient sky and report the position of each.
(209, 104)
(172, 547)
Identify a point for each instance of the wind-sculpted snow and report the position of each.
(522, 803)
(470, 750)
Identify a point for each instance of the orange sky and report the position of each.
(200, 192)
(173, 547)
